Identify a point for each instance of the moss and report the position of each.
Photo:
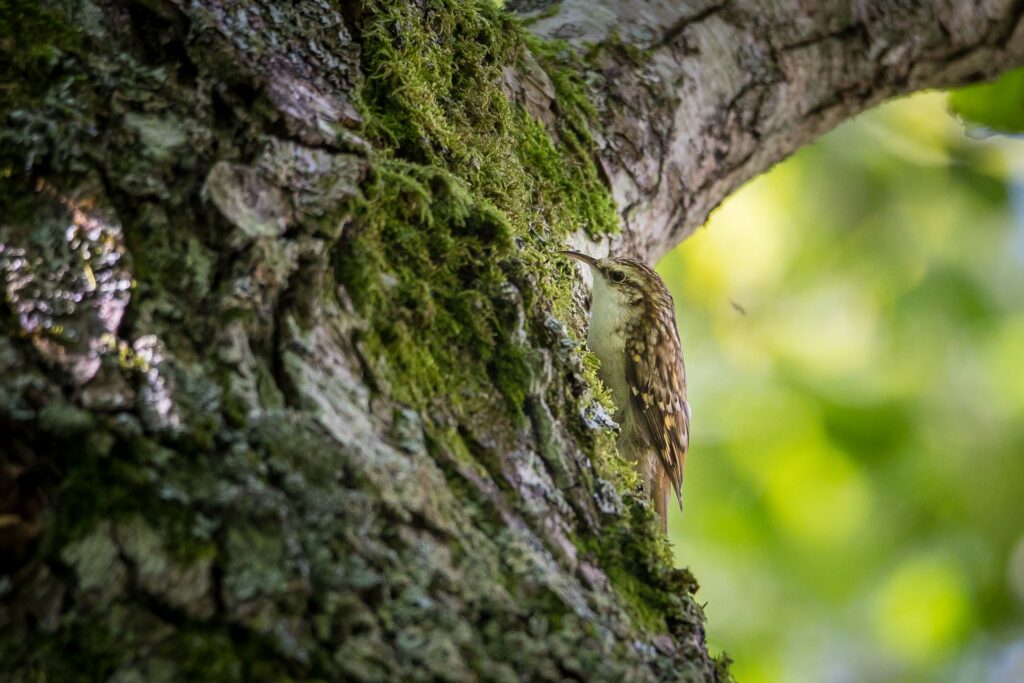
(423, 266)
(469, 193)
(46, 106)
(92, 650)
(450, 259)
(32, 42)
(86, 651)
(635, 557)
(107, 486)
(210, 655)
(433, 95)
(723, 662)
(624, 51)
(64, 420)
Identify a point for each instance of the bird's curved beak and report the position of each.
(580, 256)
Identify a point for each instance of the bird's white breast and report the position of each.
(606, 338)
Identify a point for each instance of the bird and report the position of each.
(633, 333)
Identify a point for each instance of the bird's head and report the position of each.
(625, 280)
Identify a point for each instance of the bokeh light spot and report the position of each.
(814, 492)
(922, 608)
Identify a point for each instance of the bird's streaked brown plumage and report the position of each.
(633, 333)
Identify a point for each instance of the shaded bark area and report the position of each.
(291, 386)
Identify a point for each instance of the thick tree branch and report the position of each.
(696, 98)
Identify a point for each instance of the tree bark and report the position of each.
(698, 97)
(291, 384)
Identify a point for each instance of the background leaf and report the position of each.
(997, 106)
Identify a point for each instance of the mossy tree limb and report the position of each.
(290, 382)
(695, 98)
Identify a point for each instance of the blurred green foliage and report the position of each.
(996, 106)
(854, 329)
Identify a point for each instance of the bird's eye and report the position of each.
(616, 276)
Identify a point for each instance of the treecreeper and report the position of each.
(633, 333)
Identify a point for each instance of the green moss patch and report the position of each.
(456, 231)
(451, 259)
(32, 42)
(470, 195)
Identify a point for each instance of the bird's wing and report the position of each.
(658, 400)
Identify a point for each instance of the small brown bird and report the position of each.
(633, 333)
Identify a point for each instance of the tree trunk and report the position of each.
(291, 382)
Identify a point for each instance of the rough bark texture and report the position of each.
(697, 97)
(291, 385)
